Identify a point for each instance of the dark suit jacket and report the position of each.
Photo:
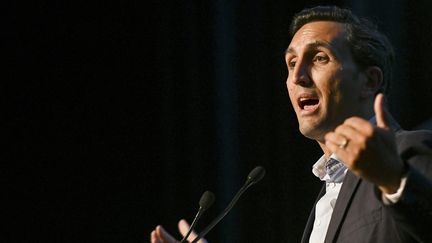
(359, 214)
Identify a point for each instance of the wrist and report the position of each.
(394, 184)
(389, 199)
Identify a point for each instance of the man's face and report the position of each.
(324, 83)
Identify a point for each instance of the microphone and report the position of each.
(205, 202)
(254, 177)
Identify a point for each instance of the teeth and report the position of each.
(305, 99)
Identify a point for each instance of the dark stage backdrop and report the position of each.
(122, 114)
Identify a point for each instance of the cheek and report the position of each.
(290, 89)
(288, 85)
(327, 83)
(291, 92)
(349, 86)
(329, 89)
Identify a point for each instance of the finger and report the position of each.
(184, 226)
(164, 235)
(352, 134)
(153, 237)
(335, 149)
(336, 138)
(335, 141)
(381, 117)
(360, 125)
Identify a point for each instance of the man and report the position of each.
(378, 185)
(378, 178)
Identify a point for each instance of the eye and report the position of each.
(292, 63)
(321, 58)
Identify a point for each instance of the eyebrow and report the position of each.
(312, 46)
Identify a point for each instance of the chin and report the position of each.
(312, 131)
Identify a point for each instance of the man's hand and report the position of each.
(160, 235)
(369, 151)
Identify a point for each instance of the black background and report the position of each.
(120, 115)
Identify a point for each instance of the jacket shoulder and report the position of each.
(406, 138)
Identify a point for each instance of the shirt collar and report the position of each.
(319, 170)
(334, 173)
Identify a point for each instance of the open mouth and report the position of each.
(308, 103)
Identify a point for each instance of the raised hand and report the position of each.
(160, 235)
(369, 151)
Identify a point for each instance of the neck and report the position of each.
(324, 148)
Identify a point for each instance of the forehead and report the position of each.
(332, 33)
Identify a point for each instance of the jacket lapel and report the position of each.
(349, 186)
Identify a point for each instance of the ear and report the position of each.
(374, 80)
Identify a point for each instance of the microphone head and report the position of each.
(256, 175)
(206, 200)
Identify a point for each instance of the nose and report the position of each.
(300, 75)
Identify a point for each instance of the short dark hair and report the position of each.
(368, 46)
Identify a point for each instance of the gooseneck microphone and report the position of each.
(254, 176)
(205, 202)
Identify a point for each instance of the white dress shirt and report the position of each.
(324, 207)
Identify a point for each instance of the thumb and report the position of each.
(380, 114)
